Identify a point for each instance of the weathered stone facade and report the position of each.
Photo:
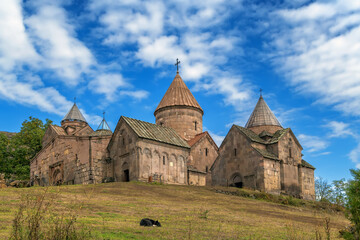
(263, 157)
(173, 151)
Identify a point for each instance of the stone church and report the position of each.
(264, 156)
(175, 150)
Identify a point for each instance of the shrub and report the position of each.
(37, 219)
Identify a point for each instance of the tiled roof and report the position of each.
(266, 154)
(74, 115)
(197, 137)
(155, 132)
(58, 130)
(256, 138)
(278, 135)
(178, 94)
(262, 116)
(101, 132)
(306, 164)
(264, 134)
(250, 134)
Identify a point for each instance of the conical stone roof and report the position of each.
(103, 125)
(262, 116)
(178, 94)
(74, 115)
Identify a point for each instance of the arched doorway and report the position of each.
(57, 177)
(236, 180)
(126, 172)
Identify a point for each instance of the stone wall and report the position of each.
(272, 176)
(238, 162)
(70, 160)
(289, 152)
(181, 119)
(307, 183)
(196, 178)
(147, 160)
(203, 154)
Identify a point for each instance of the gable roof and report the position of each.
(155, 132)
(262, 116)
(178, 94)
(195, 139)
(306, 164)
(199, 136)
(266, 154)
(58, 130)
(74, 115)
(255, 138)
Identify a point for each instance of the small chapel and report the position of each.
(264, 156)
(174, 150)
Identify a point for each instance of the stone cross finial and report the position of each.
(74, 99)
(177, 65)
(261, 91)
(103, 114)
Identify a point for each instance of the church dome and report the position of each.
(178, 94)
(74, 115)
(263, 119)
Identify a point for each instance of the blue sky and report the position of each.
(118, 57)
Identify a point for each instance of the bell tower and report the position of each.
(179, 109)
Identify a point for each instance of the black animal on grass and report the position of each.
(147, 222)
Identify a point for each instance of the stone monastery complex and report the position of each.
(262, 155)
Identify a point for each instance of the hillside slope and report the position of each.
(114, 210)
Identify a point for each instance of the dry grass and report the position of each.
(114, 210)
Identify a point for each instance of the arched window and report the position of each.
(207, 169)
(163, 160)
(235, 152)
(206, 151)
(195, 123)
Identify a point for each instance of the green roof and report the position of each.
(250, 134)
(306, 164)
(266, 154)
(256, 138)
(155, 132)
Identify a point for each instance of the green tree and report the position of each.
(353, 201)
(339, 192)
(25, 145)
(4, 153)
(323, 190)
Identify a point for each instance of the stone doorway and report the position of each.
(237, 181)
(126, 175)
(56, 174)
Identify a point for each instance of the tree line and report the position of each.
(17, 151)
(344, 193)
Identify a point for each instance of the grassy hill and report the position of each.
(114, 210)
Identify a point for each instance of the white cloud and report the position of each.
(354, 155)
(108, 84)
(317, 47)
(162, 31)
(339, 129)
(45, 98)
(15, 46)
(56, 39)
(312, 143)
